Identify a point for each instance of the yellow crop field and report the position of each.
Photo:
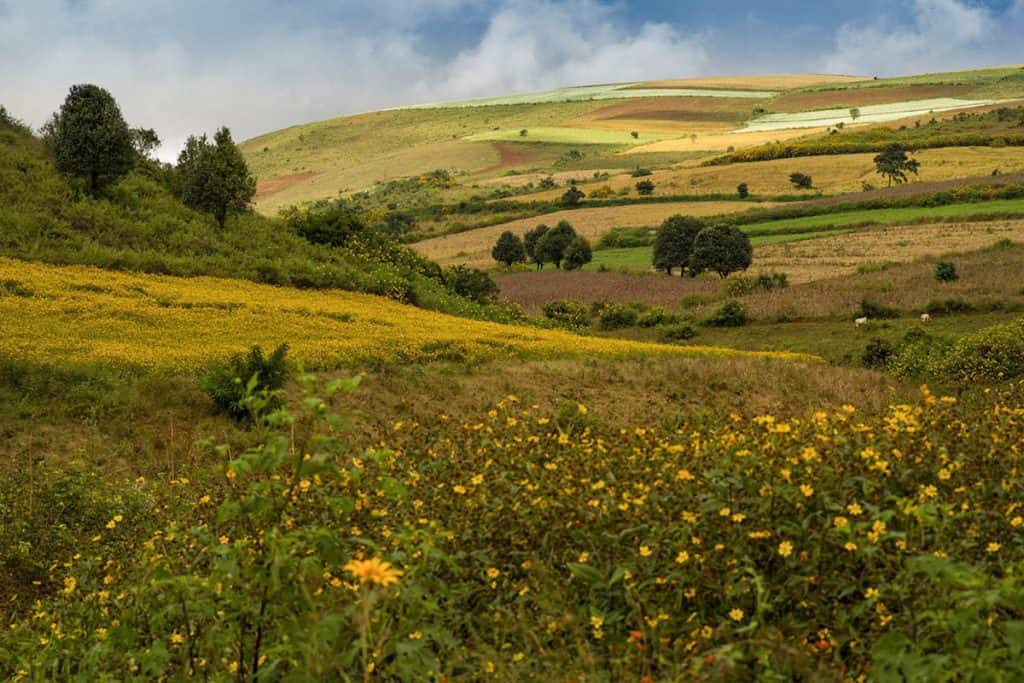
(759, 82)
(719, 142)
(473, 247)
(76, 314)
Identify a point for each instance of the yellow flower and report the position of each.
(736, 614)
(840, 522)
(415, 635)
(993, 547)
(493, 573)
(871, 593)
(375, 571)
(683, 557)
(584, 556)
(944, 474)
(177, 638)
(808, 491)
(785, 549)
(684, 475)
(582, 408)
(459, 489)
(70, 583)
(1017, 521)
(645, 551)
(854, 509)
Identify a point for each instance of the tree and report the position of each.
(722, 249)
(90, 138)
(673, 244)
(635, 134)
(855, 113)
(801, 180)
(894, 164)
(215, 177)
(144, 141)
(572, 196)
(509, 249)
(742, 190)
(471, 283)
(551, 247)
(578, 253)
(645, 187)
(530, 240)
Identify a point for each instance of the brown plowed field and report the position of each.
(533, 290)
(862, 97)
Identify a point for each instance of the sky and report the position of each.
(191, 66)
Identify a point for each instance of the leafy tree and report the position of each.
(509, 249)
(894, 164)
(673, 244)
(801, 180)
(144, 141)
(645, 187)
(855, 113)
(547, 183)
(945, 271)
(552, 245)
(742, 190)
(723, 249)
(471, 283)
(635, 134)
(530, 240)
(90, 138)
(578, 253)
(215, 177)
(572, 196)
(335, 226)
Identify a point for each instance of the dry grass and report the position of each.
(533, 290)
(761, 82)
(829, 257)
(473, 247)
(682, 114)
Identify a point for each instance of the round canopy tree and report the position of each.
(674, 242)
(723, 249)
(91, 139)
(509, 249)
(551, 247)
(578, 254)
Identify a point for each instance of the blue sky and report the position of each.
(192, 65)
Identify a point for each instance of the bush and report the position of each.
(741, 285)
(730, 314)
(471, 283)
(945, 271)
(993, 354)
(602, 192)
(641, 172)
(645, 187)
(229, 385)
(801, 181)
(869, 309)
(680, 331)
(568, 313)
(939, 307)
(572, 196)
(616, 316)
(657, 316)
(772, 281)
(742, 190)
(877, 353)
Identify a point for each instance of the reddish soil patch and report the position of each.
(533, 290)
(862, 97)
(676, 109)
(266, 188)
(510, 155)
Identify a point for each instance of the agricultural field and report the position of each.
(873, 113)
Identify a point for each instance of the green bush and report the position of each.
(993, 354)
(568, 313)
(945, 271)
(877, 353)
(657, 316)
(645, 187)
(730, 314)
(947, 306)
(680, 331)
(616, 316)
(872, 310)
(230, 384)
(471, 283)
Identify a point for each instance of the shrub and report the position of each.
(602, 192)
(547, 183)
(568, 313)
(945, 271)
(471, 283)
(742, 190)
(877, 353)
(940, 307)
(645, 187)
(657, 316)
(616, 316)
(641, 172)
(801, 181)
(993, 354)
(772, 281)
(680, 331)
(730, 314)
(870, 309)
(229, 385)
(572, 196)
(739, 286)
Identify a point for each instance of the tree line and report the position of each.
(560, 245)
(91, 142)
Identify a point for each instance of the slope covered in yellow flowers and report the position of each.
(75, 314)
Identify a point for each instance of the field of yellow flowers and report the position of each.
(76, 314)
(834, 547)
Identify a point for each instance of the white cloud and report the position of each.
(944, 34)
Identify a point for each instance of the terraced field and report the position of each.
(877, 113)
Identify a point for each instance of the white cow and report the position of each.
(860, 321)
(925, 318)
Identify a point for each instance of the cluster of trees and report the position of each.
(92, 142)
(559, 245)
(693, 247)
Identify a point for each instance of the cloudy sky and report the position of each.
(184, 66)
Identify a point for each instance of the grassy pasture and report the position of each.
(473, 247)
(568, 135)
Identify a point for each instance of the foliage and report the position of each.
(743, 190)
(552, 244)
(214, 176)
(945, 271)
(675, 332)
(530, 240)
(571, 314)
(230, 383)
(572, 196)
(723, 249)
(509, 249)
(894, 164)
(877, 353)
(801, 180)
(639, 172)
(657, 316)
(471, 283)
(876, 311)
(578, 253)
(730, 314)
(645, 188)
(336, 225)
(994, 354)
(673, 245)
(90, 138)
(616, 316)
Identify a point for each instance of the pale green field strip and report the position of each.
(889, 216)
(868, 114)
(576, 136)
(594, 92)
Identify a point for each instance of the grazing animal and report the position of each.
(925, 318)
(860, 321)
